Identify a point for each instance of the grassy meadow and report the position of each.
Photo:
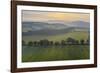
(78, 35)
(72, 52)
(53, 53)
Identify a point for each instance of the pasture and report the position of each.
(68, 52)
(78, 35)
(53, 53)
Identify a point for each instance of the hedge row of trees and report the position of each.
(68, 41)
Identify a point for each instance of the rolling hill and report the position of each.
(44, 28)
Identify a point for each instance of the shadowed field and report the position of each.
(69, 52)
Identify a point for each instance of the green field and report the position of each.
(76, 35)
(69, 52)
(53, 53)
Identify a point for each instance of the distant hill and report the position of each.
(34, 26)
(44, 28)
(81, 24)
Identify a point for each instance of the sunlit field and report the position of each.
(69, 52)
(78, 35)
(78, 51)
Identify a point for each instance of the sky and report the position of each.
(44, 16)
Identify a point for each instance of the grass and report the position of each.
(69, 52)
(53, 53)
(75, 35)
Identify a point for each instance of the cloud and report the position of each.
(53, 16)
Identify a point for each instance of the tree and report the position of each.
(87, 41)
(23, 42)
(57, 43)
(44, 42)
(63, 43)
(41, 42)
(77, 42)
(51, 43)
(70, 40)
(82, 41)
(36, 43)
(30, 43)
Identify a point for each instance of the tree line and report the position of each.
(46, 42)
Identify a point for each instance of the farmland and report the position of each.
(76, 35)
(69, 52)
(59, 52)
